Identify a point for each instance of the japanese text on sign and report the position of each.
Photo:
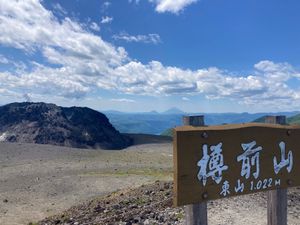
(211, 165)
(234, 160)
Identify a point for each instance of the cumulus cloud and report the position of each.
(126, 100)
(155, 78)
(59, 9)
(105, 6)
(135, 1)
(94, 26)
(106, 19)
(80, 63)
(4, 60)
(149, 38)
(185, 99)
(77, 54)
(27, 97)
(173, 6)
(276, 71)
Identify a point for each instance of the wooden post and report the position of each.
(277, 199)
(195, 214)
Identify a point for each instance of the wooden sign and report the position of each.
(222, 161)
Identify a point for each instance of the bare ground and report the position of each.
(152, 204)
(38, 181)
(42, 180)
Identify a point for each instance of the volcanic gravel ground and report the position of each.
(152, 204)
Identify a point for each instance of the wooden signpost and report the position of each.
(223, 161)
(277, 199)
(195, 214)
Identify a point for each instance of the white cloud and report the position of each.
(28, 26)
(173, 6)
(185, 99)
(27, 97)
(94, 26)
(135, 1)
(106, 19)
(85, 63)
(60, 9)
(149, 38)
(4, 60)
(156, 79)
(276, 71)
(105, 6)
(126, 100)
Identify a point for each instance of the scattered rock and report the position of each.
(131, 207)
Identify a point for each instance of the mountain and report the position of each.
(43, 123)
(167, 132)
(260, 119)
(144, 123)
(294, 119)
(113, 112)
(174, 110)
(157, 123)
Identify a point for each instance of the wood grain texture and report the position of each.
(195, 214)
(188, 142)
(277, 199)
(277, 207)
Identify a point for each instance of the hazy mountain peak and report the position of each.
(173, 110)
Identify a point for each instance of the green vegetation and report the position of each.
(159, 123)
(139, 139)
(168, 132)
(143, 123)
(259, 120)
(152, 172)
(294, 119)
(290, 120)
(180, 216)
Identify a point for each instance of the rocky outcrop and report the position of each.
(43, 123)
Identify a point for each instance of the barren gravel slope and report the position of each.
(152, 204)
(42, 180)
(39, 181)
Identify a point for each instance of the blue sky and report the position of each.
(142, 55)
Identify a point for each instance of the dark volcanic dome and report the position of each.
(44, 123)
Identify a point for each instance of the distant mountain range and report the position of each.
(174, 111)
(156, 123)
(171, 111)
(83, 127)
(294, 119)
